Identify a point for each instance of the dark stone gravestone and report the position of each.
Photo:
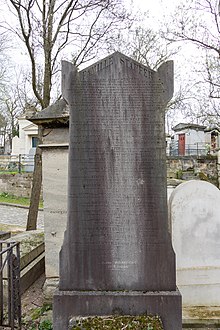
(117, 255)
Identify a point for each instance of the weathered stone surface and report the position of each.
(117, 181)
(54, 170)
(164, 304)
(117, 232)
(56, 115)
(17, 184)
(54, 162)
(205, 165)
(195, 217)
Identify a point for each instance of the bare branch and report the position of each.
(26, 35)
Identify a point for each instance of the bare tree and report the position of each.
(4, 59)
(146, 46)
(47, 29)
(10, 109)
(198, 22)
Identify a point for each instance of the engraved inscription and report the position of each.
(117, 194)
(58, 211)
(97, 67)
(141, 69)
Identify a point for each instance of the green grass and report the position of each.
(9, 172)
(12, 172)
(38, 318)
(7, 198)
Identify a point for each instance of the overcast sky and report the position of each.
(158, 11)
(157, 8)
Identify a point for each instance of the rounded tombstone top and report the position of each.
(194, 209)
(192, 186)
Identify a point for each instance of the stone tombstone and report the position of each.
(195, 218)
(117, 254)
(54, 145)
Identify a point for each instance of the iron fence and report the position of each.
(196, 149)
(17, 163)
(10, 298)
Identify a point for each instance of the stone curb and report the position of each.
(199, 324)
(18, 205)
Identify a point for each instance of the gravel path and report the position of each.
(13, 215)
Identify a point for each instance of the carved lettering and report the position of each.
(97, 67)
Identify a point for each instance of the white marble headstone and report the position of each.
(195, 219)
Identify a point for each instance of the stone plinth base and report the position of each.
(167, 305)
(50, 286)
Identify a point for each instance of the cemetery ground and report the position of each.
(37, 315)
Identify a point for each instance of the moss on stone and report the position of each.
(117, 323)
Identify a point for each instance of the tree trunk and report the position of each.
(36, 187)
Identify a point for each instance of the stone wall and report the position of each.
(16, 184)
(193, 167)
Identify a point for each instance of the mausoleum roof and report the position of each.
(56, 115)
(212, 128)
(182, 126)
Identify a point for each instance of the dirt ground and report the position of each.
(31, 301)
(33, 297)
